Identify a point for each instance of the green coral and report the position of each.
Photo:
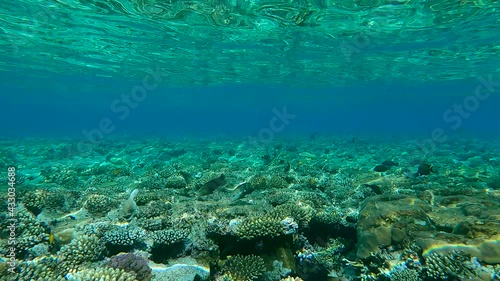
(144, 198)
(282, 220)
(123, 236)
(301, 213)
(151, 224)
(450, 266)
(280, 197)
(244, 268)
(29, 225)
(30, 232)
(25, 244)
(154, 209)
(405, 275)
(167, 171)
(256, 227)
(330, 256)
(257, 182)
(34, 201)
(277, 182)
(98, 204)
(328, 215)
(55, 200)
(176, 182)
(81, 249)
(37, 200)
(153, 182)
(63, 176)
(169, 236)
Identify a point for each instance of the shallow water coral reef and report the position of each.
(301, 209)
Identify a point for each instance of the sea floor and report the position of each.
(320, 207)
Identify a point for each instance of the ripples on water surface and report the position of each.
(224, 42)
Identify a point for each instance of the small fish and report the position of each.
(51, 237)
(312, 181)
(425, 169)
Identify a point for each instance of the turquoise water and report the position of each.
(349, 67)
(250, 140)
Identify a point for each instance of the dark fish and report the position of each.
(212, 185)
(381, 168)
(425, 169)
(375, 188)
(390, 163)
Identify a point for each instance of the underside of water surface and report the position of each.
(298, 43)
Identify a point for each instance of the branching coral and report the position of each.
(244, 268)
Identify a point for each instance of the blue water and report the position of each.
(376, 109)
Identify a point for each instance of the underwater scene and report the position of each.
(250, 140)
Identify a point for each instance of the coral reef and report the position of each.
(311, 210)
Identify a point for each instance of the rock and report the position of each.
(388, 220)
